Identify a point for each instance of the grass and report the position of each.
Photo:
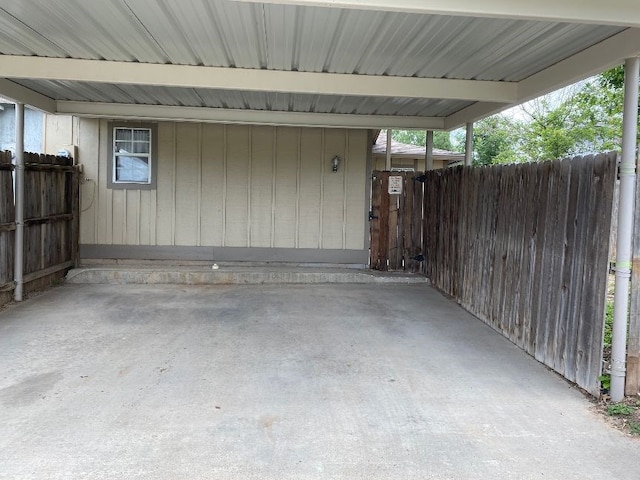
(621, 409)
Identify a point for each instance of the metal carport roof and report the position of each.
(360, 63)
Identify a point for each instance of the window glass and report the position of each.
(132, 155)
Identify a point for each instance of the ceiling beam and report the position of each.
(20, 94)
(253, 117)
(185, 76)
(611, 12)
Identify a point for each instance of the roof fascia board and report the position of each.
(20, 94)
(597, 12)
(187, 76)
(253, 117)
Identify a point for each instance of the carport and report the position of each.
(281, 92)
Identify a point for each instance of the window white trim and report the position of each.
(146, 179)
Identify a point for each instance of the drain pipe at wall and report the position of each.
(19, 233)
(625, 229)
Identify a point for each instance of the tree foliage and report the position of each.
(584, 118)
(441, 139)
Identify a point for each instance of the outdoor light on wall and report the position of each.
(335, 163)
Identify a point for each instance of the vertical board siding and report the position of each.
(165, 186)
(311, 161)
(525, 248)
(212, 197)
(333, 190)
(237, 203)
(262, 145)
(187, 184)
(286, 190)
(231, 185)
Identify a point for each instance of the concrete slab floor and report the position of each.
(283, 382)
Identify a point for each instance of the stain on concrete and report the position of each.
(29, 390)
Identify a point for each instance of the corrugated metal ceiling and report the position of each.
(230, 34)
(266, 36)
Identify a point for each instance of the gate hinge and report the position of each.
(372, 216)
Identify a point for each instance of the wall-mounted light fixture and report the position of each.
(335, 163)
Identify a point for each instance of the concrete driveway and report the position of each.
(283, 382)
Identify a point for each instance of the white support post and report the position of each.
(625, 229)
(387, 165)
(468, 150)
(19, 200)
(428, 157)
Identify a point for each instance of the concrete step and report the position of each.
(235, 275)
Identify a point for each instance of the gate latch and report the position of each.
(372, 216)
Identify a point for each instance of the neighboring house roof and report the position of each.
(348, 63)
(401, 150)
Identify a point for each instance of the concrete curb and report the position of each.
(235, 277)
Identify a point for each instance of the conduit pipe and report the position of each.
(468, 149)
(19, 200)
(625, 229)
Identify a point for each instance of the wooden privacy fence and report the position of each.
(523, 247)
(51, 217)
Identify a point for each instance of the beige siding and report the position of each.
(226, 185)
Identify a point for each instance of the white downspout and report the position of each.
(428, 159)
(468, 149)
(625, 229)
(19, 233)
(387, 165)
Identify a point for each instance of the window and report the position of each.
(132, 156)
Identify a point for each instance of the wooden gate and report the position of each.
(396, 221)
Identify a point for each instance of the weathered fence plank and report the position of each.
(7, 221)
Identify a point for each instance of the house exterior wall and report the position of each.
(33, 125)
(247, 191)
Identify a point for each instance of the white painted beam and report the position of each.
(612, 12)
(255, 117)
(187, 76)
(20, 94)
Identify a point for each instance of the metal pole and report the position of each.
(387, 165)
(625, 229)
(19, 193)
(428, 159)
(468, 150)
